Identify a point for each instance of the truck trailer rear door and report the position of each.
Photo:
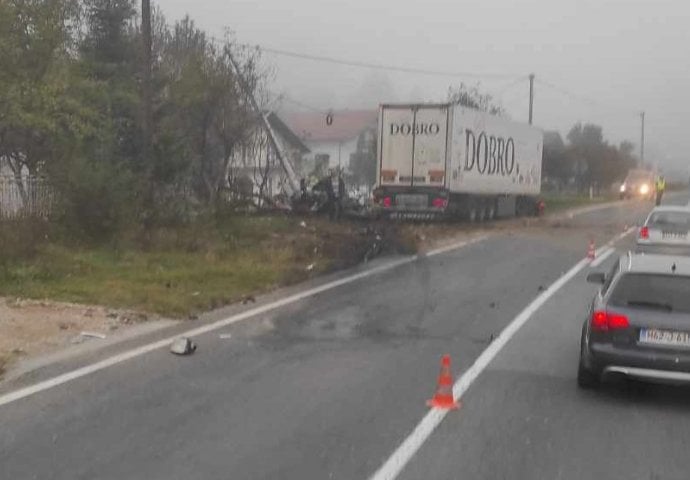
(395, 152)
(413, 141)
(430, 140)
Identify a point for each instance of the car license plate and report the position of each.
(674, 235)
(664, 337)
(412, 200)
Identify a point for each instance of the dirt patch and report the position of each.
(29, 328)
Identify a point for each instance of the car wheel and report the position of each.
(587, 378)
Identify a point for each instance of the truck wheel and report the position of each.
(490, 212)
(520, 208)
(472, 213)
(481, 213)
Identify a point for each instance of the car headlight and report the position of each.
(644, 189)
(623, 188)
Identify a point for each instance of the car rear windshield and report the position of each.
(662, 219)
(654, 291)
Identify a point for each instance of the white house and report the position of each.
(254, 169)
(331, 139)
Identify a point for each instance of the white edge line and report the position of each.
(605, 253)
(409, 447)
(456, 246)
(119, 358)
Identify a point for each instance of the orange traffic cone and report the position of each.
(443, 398)
(591, 252)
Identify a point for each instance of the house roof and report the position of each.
(280, 127)
(347, 124)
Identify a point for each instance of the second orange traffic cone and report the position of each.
(443, 398)
(591, 252)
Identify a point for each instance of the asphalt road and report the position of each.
(329, 386)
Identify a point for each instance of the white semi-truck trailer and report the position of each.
(447, 160)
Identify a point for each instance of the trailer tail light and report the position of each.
(644, 233)
(387, 202)
(603, 321)
(439, 202)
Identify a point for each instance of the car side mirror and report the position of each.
(596, 277)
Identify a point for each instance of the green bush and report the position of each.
(96, 198)
(21, 238)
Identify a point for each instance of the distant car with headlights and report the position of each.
(665, 231)
(639, 322)
(638, 184)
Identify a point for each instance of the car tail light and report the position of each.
(439, 202)
(387, 202)
(599, 321)
(644, 233)
(616, 321)
(604, 321)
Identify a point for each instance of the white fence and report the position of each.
(32, 197)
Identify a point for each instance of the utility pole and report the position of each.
(293, 181)
(146, 91)
(531, 96)
(147, 113)
(642, 140)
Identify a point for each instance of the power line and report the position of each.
(379, 66)
(397, 68)
(509, 85)
(301, 104)
(582, 98)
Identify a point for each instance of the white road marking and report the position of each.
(455, 246)
(144, 349)
(409, 447)
(605, 253)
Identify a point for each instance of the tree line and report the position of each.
(585, 159)
(72, 109)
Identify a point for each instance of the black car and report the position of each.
(639, 321)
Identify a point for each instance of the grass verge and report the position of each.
(556, 203)
(190, 269)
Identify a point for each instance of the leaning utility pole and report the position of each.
(642, 140)
(531, 96)
(283, 159)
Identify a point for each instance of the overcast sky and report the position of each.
(621, 57)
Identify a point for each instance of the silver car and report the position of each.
(639, 321)
(666, 231)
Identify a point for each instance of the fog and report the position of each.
(602, 61)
